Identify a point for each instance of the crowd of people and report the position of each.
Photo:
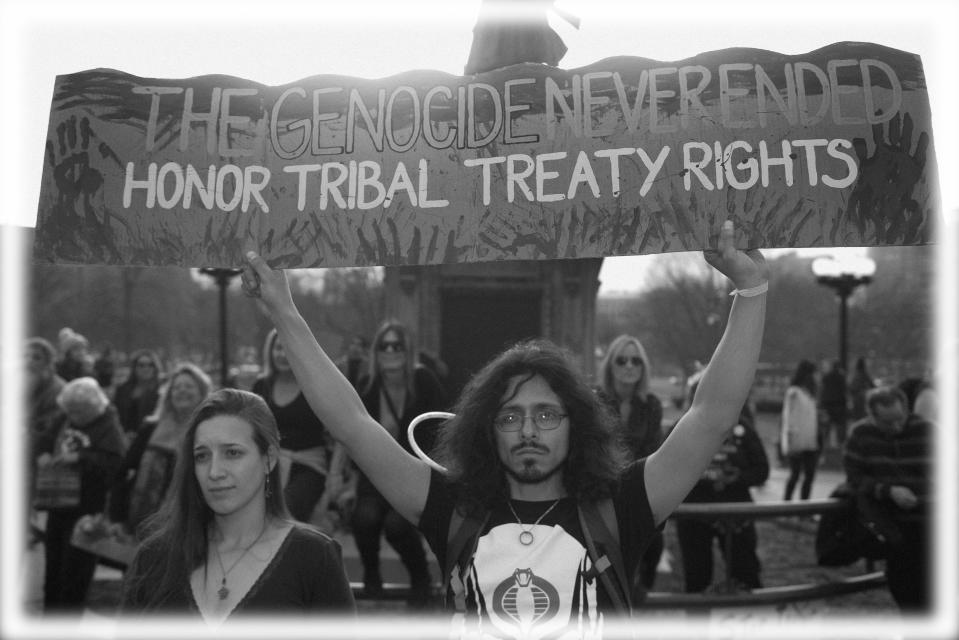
(551, 486)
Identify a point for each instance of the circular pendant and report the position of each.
(526, 538)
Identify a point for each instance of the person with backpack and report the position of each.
(550, 524)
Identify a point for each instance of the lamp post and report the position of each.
(843, 276)
(222, 278)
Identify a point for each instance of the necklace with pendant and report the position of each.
(223, 592)
(526, 535)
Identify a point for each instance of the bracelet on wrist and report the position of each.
(751, 292)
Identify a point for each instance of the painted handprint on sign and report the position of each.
(883, 205)
(78, 196)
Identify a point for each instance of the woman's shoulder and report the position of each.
(306, 534)
(308, 544)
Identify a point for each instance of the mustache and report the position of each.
(529, 445)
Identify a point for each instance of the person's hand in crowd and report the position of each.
(903, 497)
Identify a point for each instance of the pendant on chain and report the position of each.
(526, 538)
(223, 592)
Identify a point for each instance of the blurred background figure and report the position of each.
(75, 360)
(800, 439)
(89, 442)
(353, 363)
(395, 390)
(624, 376)
(104, 368)
(859, 383)
(42, 386)
(740, 463)
(147, 469)
(137, 396)
(921, 396)
(888, 462)
(833, 402)
(307, 453)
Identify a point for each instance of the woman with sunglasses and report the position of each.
(624, 388)
(395, 390)
(137, 396)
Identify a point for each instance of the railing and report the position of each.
(729, 513)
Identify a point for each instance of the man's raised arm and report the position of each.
(402, 479)
(723, 388)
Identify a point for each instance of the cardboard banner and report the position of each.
(626, 156)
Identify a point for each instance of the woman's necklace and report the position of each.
(526, 536)
(223, 592)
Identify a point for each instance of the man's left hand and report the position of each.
(746, 269)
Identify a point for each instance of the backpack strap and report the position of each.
(463, 532)
(601, 531)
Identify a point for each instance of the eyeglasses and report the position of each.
(545, 419)
(391, 346)
(636, 361)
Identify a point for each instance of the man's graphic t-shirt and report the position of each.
(544, 589)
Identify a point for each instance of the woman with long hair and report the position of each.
(137, 396)
(223, 543)
(800, 429)
(148, 468)
(395, 390)
(624, 387)
(310, 462)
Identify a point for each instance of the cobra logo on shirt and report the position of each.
(527, 599)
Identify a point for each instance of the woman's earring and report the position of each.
(269, 491)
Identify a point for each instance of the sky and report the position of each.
(280, 41)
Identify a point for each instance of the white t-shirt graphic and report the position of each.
(539, 591)
(530, 590)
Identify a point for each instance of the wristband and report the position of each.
(758, 290)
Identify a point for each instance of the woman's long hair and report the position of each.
(179, 531)
(269, 364)
(164, 406)
(374, 375)
(467, 445)
(805, 377)
(616, 347)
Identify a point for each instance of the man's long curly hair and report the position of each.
(467, 444)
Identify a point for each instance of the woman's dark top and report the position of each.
(133, 410)
(428, 395)
(299, 427)
(305, 576)
(643, 431)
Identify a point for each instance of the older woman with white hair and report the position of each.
(89, 442)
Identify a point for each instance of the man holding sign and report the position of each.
(532, 465)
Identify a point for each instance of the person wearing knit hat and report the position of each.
(75, 360)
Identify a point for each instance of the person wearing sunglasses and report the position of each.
(395, 389)
(624, 388)
(529, 445)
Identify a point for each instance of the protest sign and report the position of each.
(626, 156)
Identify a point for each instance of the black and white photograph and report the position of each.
(492, 319)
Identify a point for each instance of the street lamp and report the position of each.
(222, 278)
(843, 276)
